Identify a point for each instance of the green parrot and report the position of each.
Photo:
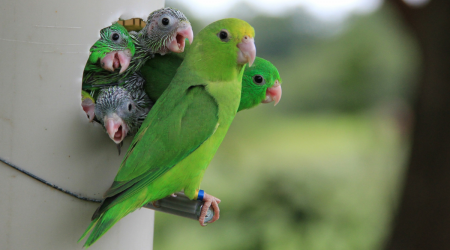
(260, 83)
(166, 30)
(112, 51)
(184, 129)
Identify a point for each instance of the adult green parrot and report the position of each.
(184, 129)
(260, 83)
(166, 30)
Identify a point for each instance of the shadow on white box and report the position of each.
(44, 46)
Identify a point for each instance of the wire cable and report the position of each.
(49, 184)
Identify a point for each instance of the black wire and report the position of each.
(49, 184)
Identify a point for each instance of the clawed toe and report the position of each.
(209, 201)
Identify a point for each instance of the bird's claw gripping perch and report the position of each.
(208, 201)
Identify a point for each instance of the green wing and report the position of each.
(159, 71)
(165, 138)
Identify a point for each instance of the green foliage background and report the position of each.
(322, 170)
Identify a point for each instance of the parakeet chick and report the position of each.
(113, 51)
(184, 129)
(166, 30)
(88, 105)
(122, 109)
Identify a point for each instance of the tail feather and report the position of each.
(105, 221)
(87, 230)
(111, 211)
(101, 227)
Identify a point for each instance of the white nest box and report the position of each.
(44, 46)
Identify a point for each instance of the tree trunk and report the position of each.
(423, 218)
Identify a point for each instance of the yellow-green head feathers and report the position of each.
(112, 38)
(211, 43)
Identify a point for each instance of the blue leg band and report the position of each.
(200, 195)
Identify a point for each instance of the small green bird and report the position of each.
(183, 131)
(166, 30)
(260, 83)
(112, 51)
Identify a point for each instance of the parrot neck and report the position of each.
(206, 64)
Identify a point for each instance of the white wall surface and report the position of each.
(43, 49)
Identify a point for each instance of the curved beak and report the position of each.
(273, 93)
(124, 60)
(116, 128)
(115, 60)
(183, 32)
(89, 107)
(247, 51)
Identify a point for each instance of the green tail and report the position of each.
(102, 224)
(87, 230)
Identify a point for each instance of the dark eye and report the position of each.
(259, 80)
(165, 21)
(223, 35)
(115, 37)
(130, 107)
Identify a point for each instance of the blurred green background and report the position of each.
(322, 169)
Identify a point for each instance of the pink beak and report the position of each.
(88, 107)
(247, 51)
(116, 59)
(116, 128)
(178, 42)
(273, 93)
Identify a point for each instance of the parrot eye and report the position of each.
(165, 21)
(259, 80)
(223, 35)
(115, 36)
(130, 107)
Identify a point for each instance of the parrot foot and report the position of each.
(208, 201)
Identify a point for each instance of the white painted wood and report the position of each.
(43, 49)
